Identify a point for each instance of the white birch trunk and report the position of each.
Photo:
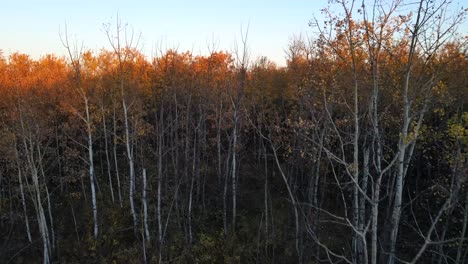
(41, 220)
(225, 191)
(145, 208)
(355, 171)
(362, 206)
(131, 164)
(234, 167)
(91, 170)
(23, 200)
(160, 175)
(218, 141)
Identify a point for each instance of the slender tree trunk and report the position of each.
(218, 141)
(74, 220)
(192, 182)
(403, 142)
(355, 166)
(377, 146)
(186, 167)
(91, 169)
(143, 238)
(106, 150)
(265, 198)
(362, 206)
(131, 164)
(225, 190)
(59, 160)
(145, 208)
(234, 170)
(49, 206)
(116, 164)
(396, 214)
(41, 219)
(160, 175)
(23, 200)
(461, 242)
(375, 218)
(51, 219)
(42, 225)
(293, 201)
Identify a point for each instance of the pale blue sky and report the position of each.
(33, 26)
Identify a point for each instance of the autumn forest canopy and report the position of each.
(354, 152)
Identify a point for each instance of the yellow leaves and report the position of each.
(440, 89)
(409, 137)
(141, 132)
(75, 195)
(439, 111)
(457, 131)
(458, 128)
(91, 63)
(144, 130)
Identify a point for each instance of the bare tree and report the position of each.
(75, 57)
(121, 47)
(242, 61)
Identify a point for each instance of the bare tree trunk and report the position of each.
(293, 201)
(375, 219)
(234, 167)
(463, 233)
(376, 143)
(59, 160)
(377, 156)
(265, 198)
(51, 219)
(131, 163)
(218, 140)
(42, 224)
(242, 62)
(91, 169)
(355, 171)
(122, 57)
(23, 200)
(41, 219)
(160, 175)
(403, 142)
(106, 150)
(49, 206)
(145, 208)
(116, 164)
(362, 205)
(143, 239)
(75, 61)
(74, 219)
(192, 182)
(396, 214)
(186, 168)
(225, 190)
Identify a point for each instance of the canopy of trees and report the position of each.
(354, 152)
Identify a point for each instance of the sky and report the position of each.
(33, 27)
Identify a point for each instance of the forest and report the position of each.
(353, 152)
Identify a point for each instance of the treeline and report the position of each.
(355, 152)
